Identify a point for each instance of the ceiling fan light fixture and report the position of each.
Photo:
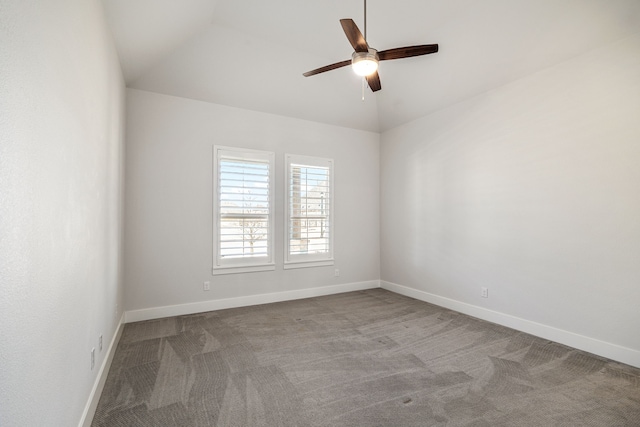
(365, 63)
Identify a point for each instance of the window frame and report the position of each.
(242, 264)
(292, 261)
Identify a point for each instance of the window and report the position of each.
(243, 210)
(309, 212)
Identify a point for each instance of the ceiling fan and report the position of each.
(364, 60)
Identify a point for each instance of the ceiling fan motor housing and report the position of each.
(365, 63)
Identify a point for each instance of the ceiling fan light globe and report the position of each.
(364, 63)
(365, 67)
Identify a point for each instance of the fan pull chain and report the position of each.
(364, 79)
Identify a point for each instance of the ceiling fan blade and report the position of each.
(327, 68)
(407, 52)
(354, 35)
(374, 82)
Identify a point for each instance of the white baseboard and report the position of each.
(94, 397)
(581, 342)
(220, 304)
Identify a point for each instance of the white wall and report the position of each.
(169, 199)
(61, 133)
(531, 190)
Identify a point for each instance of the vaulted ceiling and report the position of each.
(252, 53)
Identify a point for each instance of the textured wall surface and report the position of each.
(61, 133)
(531, 190)
(169, 199)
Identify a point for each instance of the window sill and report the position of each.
(242, 269)
(307, 264)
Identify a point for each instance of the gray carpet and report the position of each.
(370, 358)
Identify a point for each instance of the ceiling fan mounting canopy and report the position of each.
(365, 59)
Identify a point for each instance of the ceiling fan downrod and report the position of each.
(365, 20)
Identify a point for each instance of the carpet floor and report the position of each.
(369, 358)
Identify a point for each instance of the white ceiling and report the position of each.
(252, 53)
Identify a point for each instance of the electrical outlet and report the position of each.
(206, 286)
(93, 358)
(100, 343)
(484, 292)
(337, 273)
